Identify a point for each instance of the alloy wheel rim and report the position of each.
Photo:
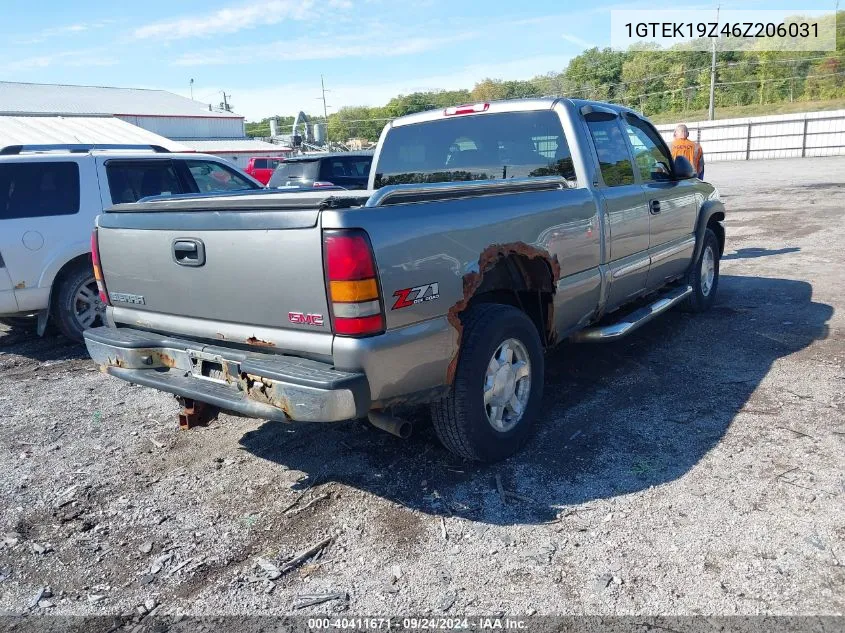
(708, 271)
(87, 306)
(507, 385)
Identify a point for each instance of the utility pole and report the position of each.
(192, 89)
(325, 108)
(226, 105)
(711, 114)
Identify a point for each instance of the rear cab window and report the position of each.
(32, 189)
(346, 167)
(477, 147)
(294, 170)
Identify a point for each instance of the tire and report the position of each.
(462, 420)
(70, 312)
(704, 291)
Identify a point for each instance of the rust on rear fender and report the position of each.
(488, 259)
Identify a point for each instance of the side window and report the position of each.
(337, 168)
(211, 177)
(36, 189)
(653, 161)
(259, 163)
(129, 181)
(614, 160)
(358, 167)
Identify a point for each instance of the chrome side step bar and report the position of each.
(632, 321)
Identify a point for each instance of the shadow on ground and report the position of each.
(619, 417)
(753, 253)
(21, 339)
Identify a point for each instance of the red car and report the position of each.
(261, 168)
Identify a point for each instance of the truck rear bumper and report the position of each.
(270, 386)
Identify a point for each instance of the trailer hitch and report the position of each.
(195, 413)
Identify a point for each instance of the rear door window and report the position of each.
(612, 150)
(259, 163)
(129, 180)
(211, 177)
(477, 147)
(36, 189)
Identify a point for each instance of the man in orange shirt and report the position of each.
(682, 146)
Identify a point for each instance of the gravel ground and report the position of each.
(693, 468)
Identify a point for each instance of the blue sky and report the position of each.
(269, 54)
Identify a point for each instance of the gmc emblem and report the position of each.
(305, 319)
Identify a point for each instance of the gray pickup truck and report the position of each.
(488, 234)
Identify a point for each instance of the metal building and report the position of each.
(199, 126)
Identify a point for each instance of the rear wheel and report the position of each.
(704, 275)
(498, 385)
(77, 305)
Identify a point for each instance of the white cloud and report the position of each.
(230, 19)
(323, 48)
(576, 40)
(257, 103)
(67, 29)
(70, 59)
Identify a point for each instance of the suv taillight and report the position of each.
(98, 269)
(352, 283)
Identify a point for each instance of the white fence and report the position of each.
(778, 136)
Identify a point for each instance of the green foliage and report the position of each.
(261, 129)
(656, 82)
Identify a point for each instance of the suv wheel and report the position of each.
(498, 385)
(704, 275)
(77, 304)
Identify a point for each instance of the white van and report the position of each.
(49, 197)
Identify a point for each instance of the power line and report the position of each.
(732, 83)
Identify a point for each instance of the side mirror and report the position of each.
(683, 169)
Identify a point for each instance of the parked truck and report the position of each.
(489, 233)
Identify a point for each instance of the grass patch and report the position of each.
(738, 112)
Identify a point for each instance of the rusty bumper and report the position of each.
(269, 386)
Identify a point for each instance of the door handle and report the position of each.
(654, 207)
(188, 252)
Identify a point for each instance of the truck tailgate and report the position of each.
(244, 267)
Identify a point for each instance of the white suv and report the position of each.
(49, 197)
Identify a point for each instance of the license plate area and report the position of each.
(213, 367)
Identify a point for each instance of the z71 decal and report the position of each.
(418, 294)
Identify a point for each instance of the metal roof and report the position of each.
(233, 145)
(26, 98)
(39, 130)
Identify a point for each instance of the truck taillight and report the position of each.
(98, 269)
(352, 283)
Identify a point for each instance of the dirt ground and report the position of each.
(693, 468)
